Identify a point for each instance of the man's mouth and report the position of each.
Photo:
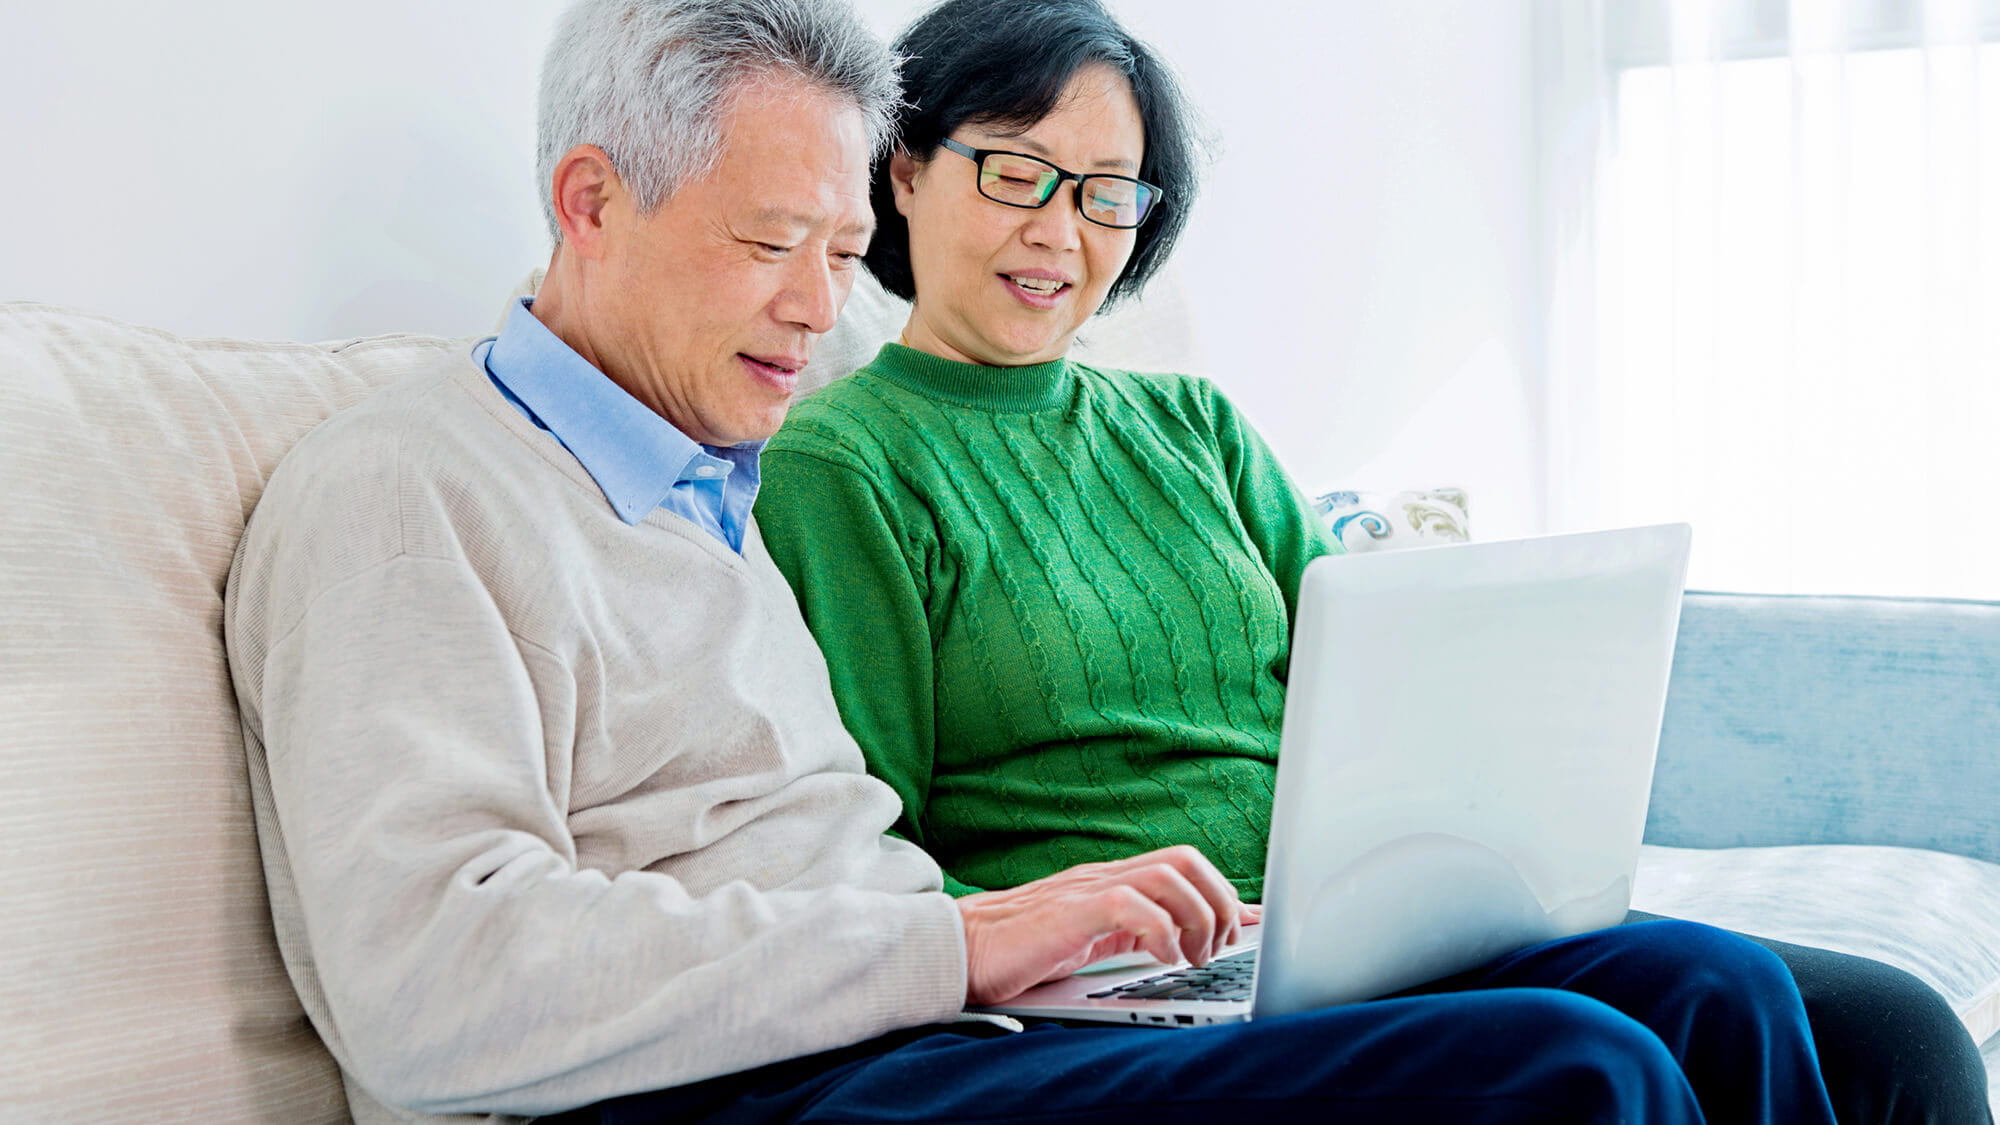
(779, 373)
(776, 365)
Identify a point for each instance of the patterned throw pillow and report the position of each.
(1388, 521)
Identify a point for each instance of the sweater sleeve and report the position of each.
(853, 560)
(468, 964)
(1287, 531)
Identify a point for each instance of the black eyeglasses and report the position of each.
(1020, 180)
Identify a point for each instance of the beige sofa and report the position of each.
(139, 978)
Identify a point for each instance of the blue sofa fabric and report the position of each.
(1832, 720)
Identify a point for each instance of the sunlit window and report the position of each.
(1798, 317)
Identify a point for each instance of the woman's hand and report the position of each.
(1171, 903)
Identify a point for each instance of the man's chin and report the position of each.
(758, 426)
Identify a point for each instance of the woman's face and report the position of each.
(969, 254)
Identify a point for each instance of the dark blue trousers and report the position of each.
(1891, 1049)
(1655, 1022)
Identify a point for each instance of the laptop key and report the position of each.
(1153, 991)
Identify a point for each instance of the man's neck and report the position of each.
(562, 316)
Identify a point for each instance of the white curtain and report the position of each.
(1773, 285)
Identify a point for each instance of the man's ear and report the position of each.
(903, 169)
(584, 188)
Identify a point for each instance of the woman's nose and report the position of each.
(1056, 224)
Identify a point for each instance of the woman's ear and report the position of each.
(903, 169)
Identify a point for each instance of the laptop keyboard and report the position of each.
(1225, 978)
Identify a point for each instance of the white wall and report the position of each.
(1380, 330)
(246, 168)
(297, 171)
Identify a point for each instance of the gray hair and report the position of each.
(649, 81)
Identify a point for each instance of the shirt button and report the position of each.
(706, 471)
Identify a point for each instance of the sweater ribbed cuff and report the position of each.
(928, 949)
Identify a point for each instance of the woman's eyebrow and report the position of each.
(1035, 148)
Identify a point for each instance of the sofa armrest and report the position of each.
(1832, 720)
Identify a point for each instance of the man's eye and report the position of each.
(845, 258)
(774, 248)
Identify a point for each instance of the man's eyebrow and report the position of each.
(1036, 148)
(779, 217)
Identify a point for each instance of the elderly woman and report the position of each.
(1056, 601)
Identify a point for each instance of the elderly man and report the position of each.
(556, 808)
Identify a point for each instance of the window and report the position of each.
(1780, 320)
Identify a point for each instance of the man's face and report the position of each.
(711, 305)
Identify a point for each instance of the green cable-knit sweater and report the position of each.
(1055, 602)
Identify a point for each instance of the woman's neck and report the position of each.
(919, 333)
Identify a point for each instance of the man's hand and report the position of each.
(1170, 903)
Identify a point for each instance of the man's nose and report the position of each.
(812, 297)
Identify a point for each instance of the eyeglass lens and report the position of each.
(1024, 181)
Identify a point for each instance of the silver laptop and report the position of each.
(1466, 761)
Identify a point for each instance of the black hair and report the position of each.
(1008, 63)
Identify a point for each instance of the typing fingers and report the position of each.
(1150, 925)
(1219, 897)
(1197, 926)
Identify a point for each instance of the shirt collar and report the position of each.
(635, 456)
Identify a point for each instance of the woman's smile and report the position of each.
(1038, 288)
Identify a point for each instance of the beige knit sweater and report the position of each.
(552, 808)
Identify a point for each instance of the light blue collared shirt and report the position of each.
(639, 460)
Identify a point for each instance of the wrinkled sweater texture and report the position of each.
(553, 808)
(1055, 602)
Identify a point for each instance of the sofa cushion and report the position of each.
(140, 976)
(1831, 720)
(1386, 521)
(1935, 915)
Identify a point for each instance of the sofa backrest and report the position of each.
(1832, 720)
(140, 976)
(138, 971)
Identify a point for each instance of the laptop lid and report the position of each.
(1468, 752)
